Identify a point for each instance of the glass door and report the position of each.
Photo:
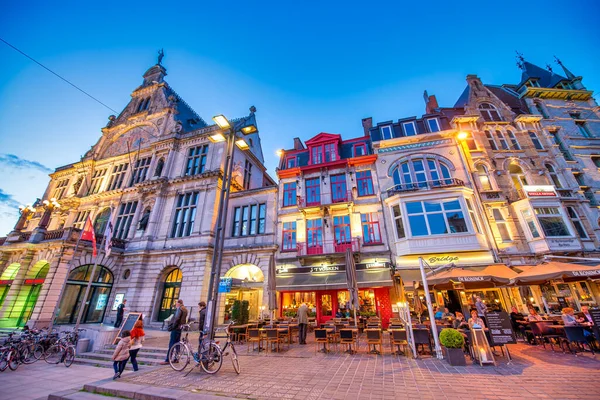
(169, 297)
(326, 307)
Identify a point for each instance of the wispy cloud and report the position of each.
(12, 160)
(8, 200)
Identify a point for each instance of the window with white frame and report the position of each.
(80, 219)
(185, 214)
(97, 179)
(502, 140)
(421, 173)
(196, 160)
(577, 222)
(140, 171)
(517, 176)
(536, 141)
(398, 222)
(473, 216)
(124, 218)
(489, 112)
(501, 225)
(491, 140)
(513, 140)
(553, 176)
(552, 221)
(434, 125)
(117, 176)
(436, 217)
(483, 177)
(409, 128)
(528, 217)
(386, 132)
(61, 189)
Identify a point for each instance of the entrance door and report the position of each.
(326, 306)
(170, 294)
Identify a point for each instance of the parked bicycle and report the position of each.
(64, 349)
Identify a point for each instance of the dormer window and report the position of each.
(563, 85)
(324, 153)
(359, 149)
(290, 162)
(434, 125)
(409, 128)
(387, 132)
(532, 83)
(489, 112)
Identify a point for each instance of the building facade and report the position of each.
(155, 174)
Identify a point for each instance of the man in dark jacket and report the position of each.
(178, 320)
(201, 321)
(120, 312)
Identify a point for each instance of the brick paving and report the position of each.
(299, 373)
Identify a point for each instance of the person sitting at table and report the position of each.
(476, 321)
(339, 313)
(447, 313)
(438, 312)
(460, 322)
(585, 316)
(534, 316)
(518, 321)
(569, 318)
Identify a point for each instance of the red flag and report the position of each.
(88, 234)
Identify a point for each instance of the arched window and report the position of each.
(483, 178)
(518, 177)
(502, 140)
(513, 140)
(491, 140)
(540, 109)
(101, 221)
(159, 167)
(489, 112)
(170, 293)
(421, 173)
(553, 176)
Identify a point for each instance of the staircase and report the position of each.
(147, 356)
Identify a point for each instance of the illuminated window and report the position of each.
(483, 177)
(140, 171)
(313, 191)
(289, 236)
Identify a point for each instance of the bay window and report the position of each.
(436, 217)
(370, 228)
(552, 221)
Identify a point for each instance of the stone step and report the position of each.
(108, 357)
(147, 354)
(77, 395)
(109, 364)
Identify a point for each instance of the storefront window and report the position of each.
(366, 299)
(326, 305)
(291, 302)
(490, 297)
(584, 294)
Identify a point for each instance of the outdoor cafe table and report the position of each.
(237, 328)
(279, 330)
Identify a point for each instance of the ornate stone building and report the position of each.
(155, 173)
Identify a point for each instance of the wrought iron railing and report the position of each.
(327, 247)
(424, 185)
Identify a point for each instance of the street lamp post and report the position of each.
(245, 126)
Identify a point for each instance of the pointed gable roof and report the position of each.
(545, 78)
(324, 137)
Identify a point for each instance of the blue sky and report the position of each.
(308, 67)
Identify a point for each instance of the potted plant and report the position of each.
(236, 311)
(453, 342)
(245, 311)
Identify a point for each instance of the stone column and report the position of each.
(11, 309)
(51, 292)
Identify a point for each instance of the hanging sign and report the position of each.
(225, 285)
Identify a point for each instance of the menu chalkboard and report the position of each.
(127, 324)
(500, 328)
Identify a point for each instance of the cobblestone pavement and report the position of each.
(299, 373)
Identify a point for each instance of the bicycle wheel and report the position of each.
(54, 354)
(234, 360)
(69, 356)
(179, 356)
(38, 351)
(212, 360)
(3, 361)
(13, 360)
(28, 354)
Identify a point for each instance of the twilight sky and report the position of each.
(308, 67)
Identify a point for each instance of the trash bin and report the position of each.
(82, 345)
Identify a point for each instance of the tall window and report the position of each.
(247, 174)
(314, 234)
(483, 177)
(518, 177)
(489, 112)
(370, 228)
(434, 125)
(330, 152)
(80, 219)
(501, 225)
(552, 221)
(97, 179)
(386, 132)
(540, 109)
(144, 104)
(339, 192)
(289, 194)
(249, 220)
(185, 215)
(435, 217)
(553, 176)
(583, 129)
(474, 218)
(140, 171)
(289, 236)
(364, 183)
(502, 140)
(61, 188)
(117, 176)
(491, 140)
(577, 222)
(341, 229)
(409, 128)
(313, 191)
(513, 140)
(398, 222)
(196, 162)
(124, 218)
(317, 155)
(471, 145)
(159, 167)
(528, 217)
(536, 141)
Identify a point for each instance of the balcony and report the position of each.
(492, 195)
(324, 199)
(327, 247)
(424, 185)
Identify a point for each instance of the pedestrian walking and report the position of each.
(137, 339)
(174, 327)
(121, 354)
(120, 312)
(302, 323)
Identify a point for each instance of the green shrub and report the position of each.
(236, 311)
(451, 338)
(245, 312)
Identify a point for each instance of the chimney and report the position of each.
(430, 103)
(367, 124)
(298, 144)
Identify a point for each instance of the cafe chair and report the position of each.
(254, 336)
(399, 338)
(242, 334)
(375, 339)
(272, 338)
(576, 334)
(348, 338)
(321, 339)
(422, 338)
(542, 332)
(285, 337)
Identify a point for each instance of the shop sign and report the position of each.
(471, 278)
(458, 286)
(556, 281)
(225, 284)
(560, 243)
(539, 191)
(329, 268)
(575, 273)
(460, 259)
(34, 281)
